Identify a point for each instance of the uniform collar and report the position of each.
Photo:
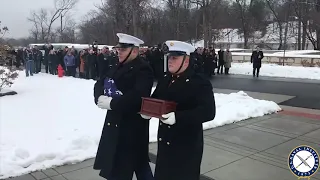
(187, 73)
(129, 63)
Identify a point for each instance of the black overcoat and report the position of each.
(102, 63)
(256, 58)
(180, 146)
(124, 141)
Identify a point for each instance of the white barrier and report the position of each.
(288, 60)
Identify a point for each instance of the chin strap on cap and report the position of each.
(184, 58)
(127, 56)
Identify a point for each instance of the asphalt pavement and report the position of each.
(306, 92)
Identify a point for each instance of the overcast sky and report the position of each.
(14, 13)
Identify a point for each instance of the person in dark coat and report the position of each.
(158, 62)
(256, 58)
(148, 54)
(199, 60)
(221, 60)
(95, 46)
(37, 59)
(124, 143)
(47, 48)
(53, 62)
(19, 58)
(103, 59)
(91, 65)
(210, 63)
(113, 59)
(180, 133)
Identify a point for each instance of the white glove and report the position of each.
(169, 118)
(104, 102)
(145, 116)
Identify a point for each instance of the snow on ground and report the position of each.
(54, 121)
(274, 70)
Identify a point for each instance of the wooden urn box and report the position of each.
(156, 107)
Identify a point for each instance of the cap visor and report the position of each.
(124, 45)
(176, 53)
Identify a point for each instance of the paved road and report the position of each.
(307, 93)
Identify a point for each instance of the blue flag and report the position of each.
(110, 88)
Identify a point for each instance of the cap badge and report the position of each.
(171, 44)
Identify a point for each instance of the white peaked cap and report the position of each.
(128, 39)
(180, 46)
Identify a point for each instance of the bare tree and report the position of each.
(173, 19)
(66, 29)
(243, 8)
(311, 23)
(273, 5)
(39, 19)
(61, 7)
(299, 13)
(3, 30)
(307, 12)
(317, 23)
(204, 10)
(90, 32)
(43, 22)
(174, 10)
(253, 18)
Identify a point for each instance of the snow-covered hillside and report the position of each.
(271, 36)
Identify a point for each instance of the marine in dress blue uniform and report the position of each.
(123, 147)
(180, 133)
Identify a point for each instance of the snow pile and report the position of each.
(230, 108)
(274, 70)
(235, 107)
(54, 121)
(51, 121)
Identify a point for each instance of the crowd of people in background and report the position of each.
(90, 63)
